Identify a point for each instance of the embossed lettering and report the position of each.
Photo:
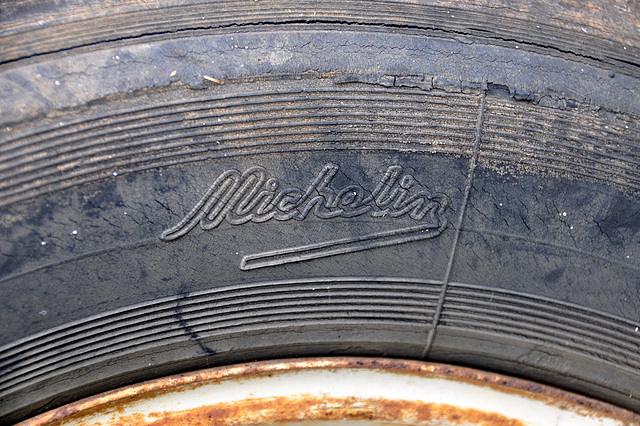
(252, 196)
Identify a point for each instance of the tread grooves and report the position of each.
(413, 120)
(211, 313)
(279, 304)
(587, 145)
(188, 132)
(568, 326)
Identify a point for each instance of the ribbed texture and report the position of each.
(364, 301)
(344, 118)
(172, 21)
(565, 326)
(366, 117)
(222, 311)
(574, 142)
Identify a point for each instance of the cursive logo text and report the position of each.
(254, 197)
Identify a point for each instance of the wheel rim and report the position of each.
(367, 391)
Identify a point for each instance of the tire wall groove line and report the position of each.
(52, 163)
(240, 102)
(228, 292)
(576, 329)
(570, 322)
(494, 319)
(207, 314)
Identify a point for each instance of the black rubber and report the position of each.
(248, 181)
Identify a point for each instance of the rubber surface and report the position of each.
(176, 195)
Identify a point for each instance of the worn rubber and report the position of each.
(466, 192)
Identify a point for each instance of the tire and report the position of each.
(187, 185)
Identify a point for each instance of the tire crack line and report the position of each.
(465, 201)
(610, 59)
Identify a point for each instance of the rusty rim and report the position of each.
(336, 390)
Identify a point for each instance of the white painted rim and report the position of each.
(336, 391)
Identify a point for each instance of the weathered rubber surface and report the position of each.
(418, 183)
